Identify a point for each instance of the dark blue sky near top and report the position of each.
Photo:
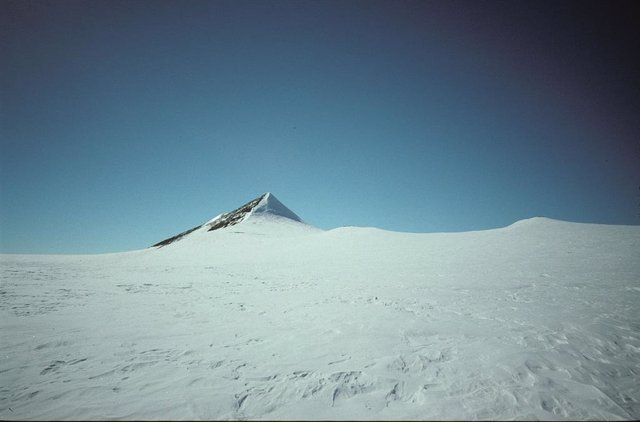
(124, 122)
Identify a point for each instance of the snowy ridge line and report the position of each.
(265, 204)
(236, 216)
(174, 238)
(270, 205)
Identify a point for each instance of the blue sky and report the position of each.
(125, 122)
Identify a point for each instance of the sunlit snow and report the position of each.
(272, 318)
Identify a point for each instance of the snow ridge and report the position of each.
(175, 238)
(236, 216)
(264, 205)
(270, 205)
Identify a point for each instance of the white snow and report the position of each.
(213, 219)
(270, 205)
(275, 319)
(265, 206)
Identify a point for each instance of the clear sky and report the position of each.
(125, 122)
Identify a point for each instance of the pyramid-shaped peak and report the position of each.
(266, 205)
(270, 205)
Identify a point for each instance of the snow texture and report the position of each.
(270, 318)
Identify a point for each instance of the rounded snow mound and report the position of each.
(534, 221)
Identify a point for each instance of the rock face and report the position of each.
(264, 205)
(175, 238)
(235, 216)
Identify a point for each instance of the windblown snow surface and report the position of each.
(271, 318)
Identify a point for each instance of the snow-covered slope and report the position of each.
(270, 206)
(271, 318)
(266, 207)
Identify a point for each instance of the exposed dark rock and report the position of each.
(235, 216)
(225, 220)
(175, 238)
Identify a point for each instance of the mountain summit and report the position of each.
(266, 205)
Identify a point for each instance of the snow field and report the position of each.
(276, 320)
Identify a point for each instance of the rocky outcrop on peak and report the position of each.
(235, 216)
(175, 238)
(225, 220)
